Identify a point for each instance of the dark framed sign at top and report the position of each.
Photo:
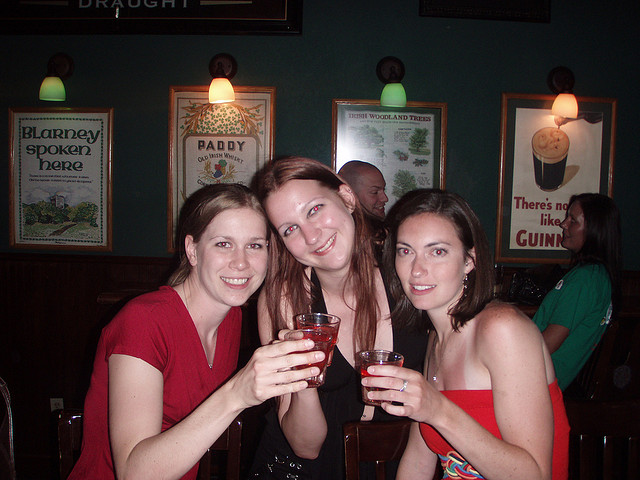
(152, 16)
(522, 10)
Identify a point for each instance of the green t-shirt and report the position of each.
(581, 302)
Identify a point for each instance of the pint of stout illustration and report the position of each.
(550, 147)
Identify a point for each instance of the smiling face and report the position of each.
(314, 223)
(574, 228)
(370, 191)
(431, 262)
(229, 262)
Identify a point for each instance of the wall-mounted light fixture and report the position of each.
(565, 106)
(390, 71)
(60, 67)
(222, 67)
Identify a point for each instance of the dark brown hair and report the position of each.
(200, 209)
(603, 236)
(289, 278)
(455, 209)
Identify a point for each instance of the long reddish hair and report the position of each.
(287, 277)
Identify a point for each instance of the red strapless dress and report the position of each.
(479, 404)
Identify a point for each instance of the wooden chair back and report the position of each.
(377, 442)
(230, 442)
(7, 457)
(613, 370)
(70, 442)
(592, 377)
(605, 439)
(69, 439)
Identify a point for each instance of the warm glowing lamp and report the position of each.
(221, 91)
(390, 71)
(222, 68)
(60, 67)
(565, 106)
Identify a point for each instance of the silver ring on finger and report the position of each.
(404, 386)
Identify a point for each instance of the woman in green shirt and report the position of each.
(575, 314)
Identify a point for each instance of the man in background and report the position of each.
(368, 184)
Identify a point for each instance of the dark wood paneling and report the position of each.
(50, 321)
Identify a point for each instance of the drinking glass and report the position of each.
(376, 357)
(323, 321)
(322, 341)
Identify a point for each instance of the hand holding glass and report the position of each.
(376, 357)
(322, 341)
(323, 321)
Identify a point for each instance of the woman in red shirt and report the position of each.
(162, 389)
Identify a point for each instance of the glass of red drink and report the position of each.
(323, 321)
(322, 341)
(375, 357)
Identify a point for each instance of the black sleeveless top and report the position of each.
(340, 397)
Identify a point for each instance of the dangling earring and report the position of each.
(465, 284)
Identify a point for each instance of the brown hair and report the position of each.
(200, 209)
(290, 278)
(603, 237)
(454, 208)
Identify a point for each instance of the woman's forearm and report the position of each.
(304, 424)
(172, 453)
(418, 461)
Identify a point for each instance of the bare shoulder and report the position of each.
(500, 309)
(264, 316)
(265, 326)
(501, 322)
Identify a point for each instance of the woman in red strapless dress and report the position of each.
(490, 406)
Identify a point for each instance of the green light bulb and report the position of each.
(52, 90)
(393, 95)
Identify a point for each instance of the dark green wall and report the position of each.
(464, 62)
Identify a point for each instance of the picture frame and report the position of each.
(523, 10)
(407, 144)
(534, 185)
(60, 178)
(175, 17)
(216, 143)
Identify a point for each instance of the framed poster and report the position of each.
(60, 178)
(216, 143)
(522, 10)
(183, 17)
(542, 165)
(408, 145)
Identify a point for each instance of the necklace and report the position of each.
(433, 356)
(434, 377)
(186, 297)
(186, 304)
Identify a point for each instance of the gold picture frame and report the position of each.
(216, 143)
(407, 144)
(60, 172)
(530, 208)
